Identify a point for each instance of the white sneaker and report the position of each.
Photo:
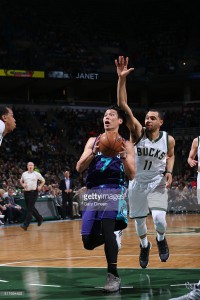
(113, 283)
(1, 223)
(119, 238)
(193, 295)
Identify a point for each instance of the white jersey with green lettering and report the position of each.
(151, 158)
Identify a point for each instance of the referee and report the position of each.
(29, 181)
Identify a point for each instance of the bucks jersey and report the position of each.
(105, 171)
(150, 157)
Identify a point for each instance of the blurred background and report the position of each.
(57, 72)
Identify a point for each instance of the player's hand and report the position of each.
(122, 66)
(168, 177)
(192, 162)
(124, 152)
(95, 148)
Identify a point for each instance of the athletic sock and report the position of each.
(112, 268)
(144, 242)
(160, 237)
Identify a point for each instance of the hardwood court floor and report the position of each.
(53, 259)
(58, 244)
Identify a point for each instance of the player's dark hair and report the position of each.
(160, 113)
(120, 112)
(4, 110)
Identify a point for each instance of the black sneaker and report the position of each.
(40, 221)
(144, 255)
(163, 250)
(24, 227)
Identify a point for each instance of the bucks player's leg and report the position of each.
(158, 202)
(138, 210)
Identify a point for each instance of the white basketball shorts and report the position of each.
(141, 200)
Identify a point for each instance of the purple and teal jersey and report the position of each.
(105, 171)
(105, 176)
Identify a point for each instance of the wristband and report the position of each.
(124, 157)
(168, 172)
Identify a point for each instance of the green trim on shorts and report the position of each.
(157, 208)
(138, 217)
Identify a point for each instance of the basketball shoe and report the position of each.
(193, 295)
(163, 250)
(144, 255)
(113, 283)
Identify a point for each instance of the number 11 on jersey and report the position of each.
(147, 165)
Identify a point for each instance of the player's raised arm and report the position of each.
(193, 152)
(132, 123)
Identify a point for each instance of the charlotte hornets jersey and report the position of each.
(150, 157)
(105, 171)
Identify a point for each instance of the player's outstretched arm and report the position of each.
(193, 152)
(132, 123)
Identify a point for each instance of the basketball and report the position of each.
(110, 143)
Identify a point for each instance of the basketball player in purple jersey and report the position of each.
(106, 174)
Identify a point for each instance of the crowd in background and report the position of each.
(60, 37)
(41, 37)
(54, 139)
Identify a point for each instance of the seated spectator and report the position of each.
(2, 207)
(57, 194)
(15, 212)
(75, 209)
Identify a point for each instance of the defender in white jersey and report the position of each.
(154, 152)
(7, 121)
(195, 151)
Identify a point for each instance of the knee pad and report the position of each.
(140, 226)
(159, 219)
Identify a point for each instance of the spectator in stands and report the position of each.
(2, 207)
(16, 212)
(67, 186)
